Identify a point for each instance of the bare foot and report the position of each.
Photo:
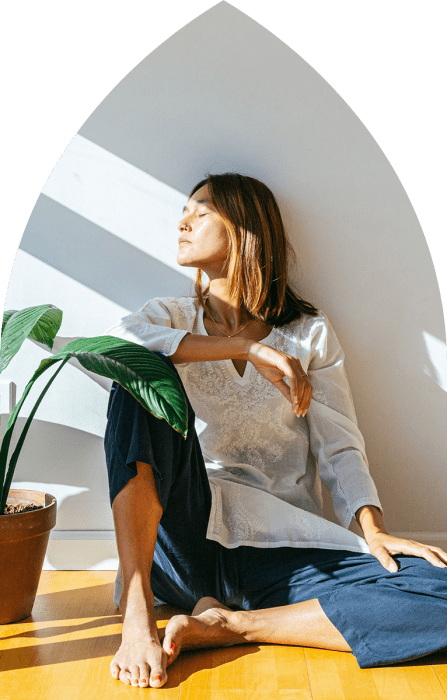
(206, 603)
(211, 624)
(140, 660)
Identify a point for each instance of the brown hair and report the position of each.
(257, 259)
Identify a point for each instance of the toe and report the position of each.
(170, 648)
(158, 678)
(174, 632)
(135, 677)
(115, 670)
(144, 675)
(125, 676)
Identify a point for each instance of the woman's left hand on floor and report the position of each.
(384, 547)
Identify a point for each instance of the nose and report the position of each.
(183, 224)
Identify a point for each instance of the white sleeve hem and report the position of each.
(172, 343)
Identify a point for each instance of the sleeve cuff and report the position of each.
(173, 342)
(349, 513)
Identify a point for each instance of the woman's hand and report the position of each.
(275, 365)
(383, 546)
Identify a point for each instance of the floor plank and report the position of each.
(408, 683)
(441, 674)
(64, 649)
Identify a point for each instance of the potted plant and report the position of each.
(27, 517)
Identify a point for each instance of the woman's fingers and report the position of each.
(304, 391)
(427, 553)
(307, 396)
(440, 553)
(435, 555)
(384, 558)
(387, 546)
(277, 366)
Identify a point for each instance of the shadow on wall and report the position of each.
(73, 463)
(97, 258)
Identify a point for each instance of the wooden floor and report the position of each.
(63, 652)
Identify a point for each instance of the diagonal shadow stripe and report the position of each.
(98, 259)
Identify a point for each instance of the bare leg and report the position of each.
(212, 624)
(141, 660)
(137, 510)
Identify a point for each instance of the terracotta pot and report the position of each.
(23, 544)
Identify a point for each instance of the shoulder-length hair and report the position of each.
(257, 260)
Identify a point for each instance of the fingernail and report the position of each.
(170, 661)
(172, 648)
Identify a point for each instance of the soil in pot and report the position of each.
(20, 507)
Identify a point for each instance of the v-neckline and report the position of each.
(241, 380)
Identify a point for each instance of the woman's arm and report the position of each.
(272, 364)
(166, 325)
(152, 327)
(339, 450)
(201, 348)
(383, 546)
(334, 437)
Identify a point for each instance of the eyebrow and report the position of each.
(200, 201)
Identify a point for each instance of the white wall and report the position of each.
(225, 94)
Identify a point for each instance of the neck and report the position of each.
(224, 310)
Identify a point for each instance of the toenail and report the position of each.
(143, 680)
(157, 678)
(135, 682)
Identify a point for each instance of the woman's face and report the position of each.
(203, 239)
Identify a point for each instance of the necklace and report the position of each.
(220, 329)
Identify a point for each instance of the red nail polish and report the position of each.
(172, 648)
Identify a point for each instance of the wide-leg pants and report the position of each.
(384, 617)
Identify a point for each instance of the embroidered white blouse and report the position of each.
(263, 462)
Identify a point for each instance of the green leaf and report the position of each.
(9, 429)
(39, 323)
(150, 380)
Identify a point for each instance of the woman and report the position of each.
(241, 540)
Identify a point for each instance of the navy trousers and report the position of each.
(385, 618)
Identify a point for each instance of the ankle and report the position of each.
(136, 599)
(235, 621)
(243, 623)
(140, 624)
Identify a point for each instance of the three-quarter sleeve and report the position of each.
(335, 440)
(150, 326)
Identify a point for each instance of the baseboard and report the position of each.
(81, 550)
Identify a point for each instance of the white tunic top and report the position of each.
(263, 462)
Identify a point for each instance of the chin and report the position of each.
(186, 263)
